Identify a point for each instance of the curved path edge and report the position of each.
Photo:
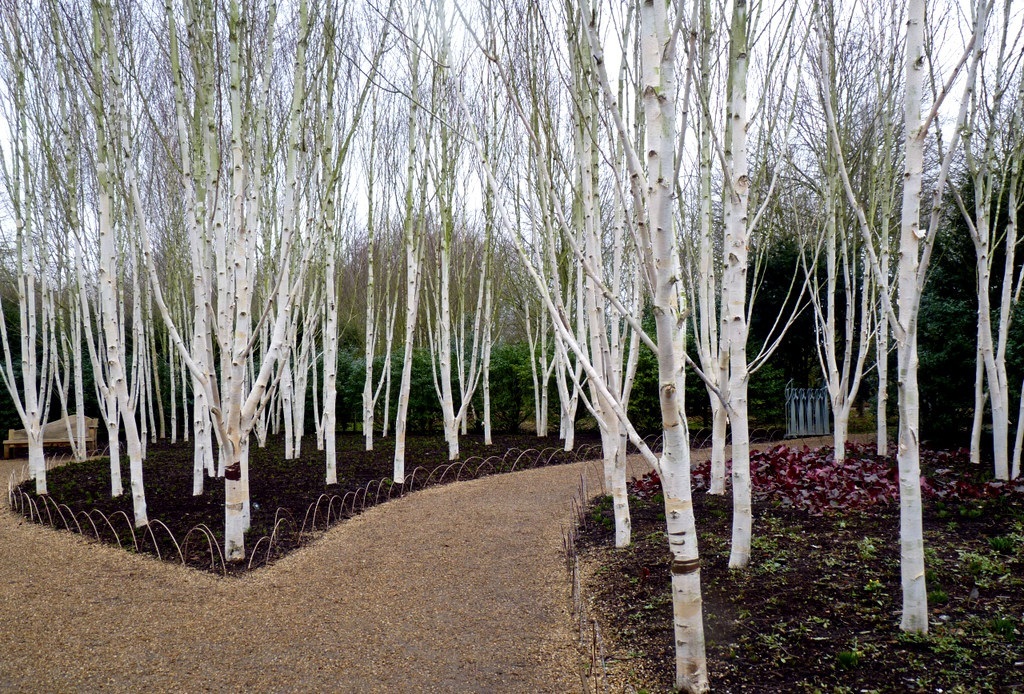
(460, 587)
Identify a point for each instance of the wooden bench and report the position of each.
(54, 434)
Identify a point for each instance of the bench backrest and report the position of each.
(57, 430)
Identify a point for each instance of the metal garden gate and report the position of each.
(807, 412)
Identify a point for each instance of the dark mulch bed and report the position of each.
(819, 607)
(290, 501)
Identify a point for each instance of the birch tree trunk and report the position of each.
(486, 366)
(842, 370)
(658, 87)
(547, 365)
(914, 253)
(605, 356)
(703, 283)
(105, 393)
(110, 313)
(734, 285)
(199, 242)
(652, 191)
(444, 184)
(537, 371)
(915, 597)
(987, 119)
(369, 401)
(980, 398)
(882, 355)
(330, 329)
(414, 247)
(915, 246)
(30, 396)
(659, 82)
(1015, 202)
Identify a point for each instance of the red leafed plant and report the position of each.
(812, 480)
(646, 487)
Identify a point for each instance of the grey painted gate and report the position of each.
(807, 412)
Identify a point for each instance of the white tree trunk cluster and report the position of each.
(210, 180)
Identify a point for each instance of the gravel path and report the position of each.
(454, 588)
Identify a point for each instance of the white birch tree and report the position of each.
(987, 119)
(859, 114)
(414, 237)
(652, 190)
(20, 167)
(915, 244)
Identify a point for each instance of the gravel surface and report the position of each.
(455, 588)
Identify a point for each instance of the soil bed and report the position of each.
(819, 607)
(290, 502)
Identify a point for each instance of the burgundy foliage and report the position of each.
(813, 481)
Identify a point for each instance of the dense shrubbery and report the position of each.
(511, 382)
